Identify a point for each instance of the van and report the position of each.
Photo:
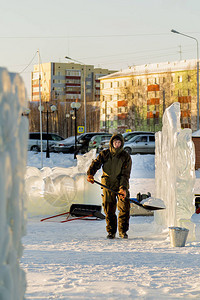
(34, 140)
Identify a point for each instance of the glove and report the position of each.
(90, 179)
(123, 194)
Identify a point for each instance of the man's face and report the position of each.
(117, 144)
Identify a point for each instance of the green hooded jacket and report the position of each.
(116, 165)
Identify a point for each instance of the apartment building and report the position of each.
(63, 83)
(136, 98)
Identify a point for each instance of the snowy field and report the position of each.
(74, 260)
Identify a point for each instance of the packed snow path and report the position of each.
(76, 261)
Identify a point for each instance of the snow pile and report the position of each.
(13, 145)
(175, 172)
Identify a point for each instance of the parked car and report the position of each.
(65, 146)
(97, 140)
(128, 135)
(144, 143)
(85, 139)
(104, 144)
(68, 145)
(34, 140)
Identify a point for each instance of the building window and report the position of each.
(189, 78)
(132, 95)
(172, 93)
(189, 93)
(124, 83)
(172, 79)
(132, 82)
(117, 96)
(110, 97)
(180, 79)
(164, 79)
(119, 110)
(111, 85)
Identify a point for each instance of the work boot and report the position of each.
(123, 235)
(111, 236)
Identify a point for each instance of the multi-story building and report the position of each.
(64, 83)
(136, 98)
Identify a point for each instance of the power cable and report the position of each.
(28, 64)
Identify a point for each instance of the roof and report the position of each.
(154, 68)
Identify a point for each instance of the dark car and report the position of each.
(68, 145)
(65, 146)
(84, 139)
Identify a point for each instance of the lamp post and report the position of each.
(84, 89)
(53, 109)
(191, 37)
(154, 120)
(75, 106)
(71, 114)
(67, 118)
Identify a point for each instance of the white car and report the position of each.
(141, 144)
(34, 142)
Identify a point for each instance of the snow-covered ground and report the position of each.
(74, 260)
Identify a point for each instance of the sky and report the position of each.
(112, 34)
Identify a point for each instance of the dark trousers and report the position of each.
(110, 204)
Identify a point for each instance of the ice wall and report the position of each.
(54, 190)
(175, 171)
(13, 149)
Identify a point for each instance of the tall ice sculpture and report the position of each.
(175, 172)
(13, 152)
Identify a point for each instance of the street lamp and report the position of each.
(84, 89)
(191, 37)
(53, 109)
(75, 106)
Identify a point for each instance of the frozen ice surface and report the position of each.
(53, 190)
(13, 145)
(175, 171)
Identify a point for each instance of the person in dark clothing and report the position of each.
(116, 164)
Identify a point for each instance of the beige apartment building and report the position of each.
(63, 83)
(136, 98)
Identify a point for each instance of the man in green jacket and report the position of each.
(116, 164)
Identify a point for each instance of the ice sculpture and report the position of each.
(175, 171)
(13, 150)
(53, 190)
